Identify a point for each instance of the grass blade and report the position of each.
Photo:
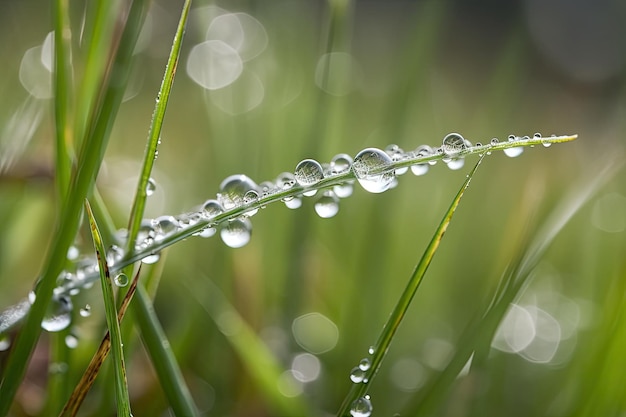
(89, 376)
(381, 347)
(121, 386)
(163, 359)
(83, 179)
(154, 133)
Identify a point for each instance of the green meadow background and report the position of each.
(316, 292)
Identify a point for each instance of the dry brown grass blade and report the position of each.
(86, 381)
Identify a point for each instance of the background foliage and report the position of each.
(418, 71)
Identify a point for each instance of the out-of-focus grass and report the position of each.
(479, 73)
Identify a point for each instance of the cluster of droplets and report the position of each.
(238, 198)
(360, 374)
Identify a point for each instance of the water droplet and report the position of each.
(371, 350)
(250, 198)
(150, 187)
(236, 233)
(151, 259)
(494, 141)
(340, 163)
(357, 375)
(419, 169)
(365, 364)
(58, 316)
(309, 193)
(513, 152)
(285, 181)
(207, 232)
(292, 202)
(164, 226)
(114, 254)
(327, 205)
(308, 172)
(453, 143)
(121, 279)
(455, 164)
(537, 135)
(85, 311)
(5, 342)
(361, 407)
(32, 296)
(212, 208)
(371, 167)
(71, 341)
(72, 253)
(233, 189)
(343, 190)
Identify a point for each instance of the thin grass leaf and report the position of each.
(480, 331)
(154, 133)
(163, 359)
(62, 96)
(359, 390)
(83, 179)
(258, 360)
(89, 376)
(121, 386)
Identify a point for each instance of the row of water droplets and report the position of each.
(239, 198)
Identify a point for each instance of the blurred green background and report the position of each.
(311, 79)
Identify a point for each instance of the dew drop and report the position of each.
(514, 152)
(361, 407)
(371, 167)
(371, 350)
(327, 205)
(151, 259)
(114, 254)
(71, 341)
(455, 164)
(293, 202)
(58, 316)
(419, 169)
(150, 187)
(212, 208)
(357, 375)
(308, 172)
(72, 253)
(343, 190)
(285, 181)
(233, 189)
(236, 233)
(121, 279)
(340, 163)
(32, 296)
(207, 232)
(494, 141)
(5, 342)
(85, 311)
(453, 143)
(365, 364)
(164, 226)
(309, 193)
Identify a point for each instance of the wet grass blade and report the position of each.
(154, 133)
(358, 390)
(89, 376)
(121, 386)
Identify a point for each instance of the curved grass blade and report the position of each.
(358, 390)
(83, 179)
(89, 376)
(476, 338)
(121, 386)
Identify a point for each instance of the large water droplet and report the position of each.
(357, 375)
(327, 205)
(513, 152)
(308, 172)
(371, 168)
(150, 187)
(236, 233)
(121, 279)
(361, 407)
(343, 190)
(455, 164)
(151, 259)
(58, 316)
(453, 143)
(365, 364)
(212, 208)
(233, 189)
(293, 202)
(164, 226)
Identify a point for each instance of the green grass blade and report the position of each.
(83, 179)
(163, 358)
(381, 347)
(154, 133)
(62, 96)
(121, 386)
(258, 360)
